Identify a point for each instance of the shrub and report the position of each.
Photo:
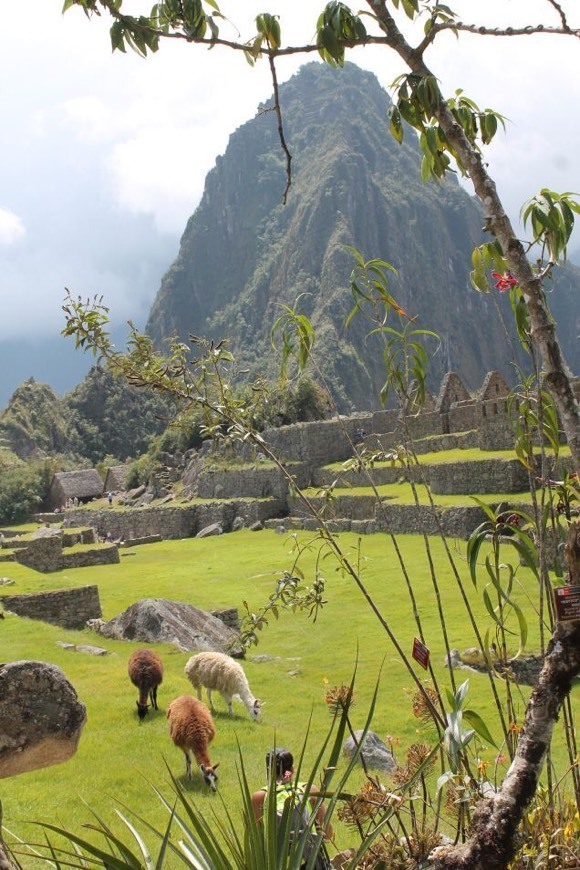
(24, 488)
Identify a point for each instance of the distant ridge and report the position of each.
(243, 253)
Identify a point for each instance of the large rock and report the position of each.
(41, 718)
(155, 620)
(376, 754)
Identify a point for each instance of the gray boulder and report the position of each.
(376, 754)
(155, 620)
(208, 531)
(41, 718)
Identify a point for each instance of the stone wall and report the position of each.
(423, 425)
(469, 478)
(355, 507)
(46, 554)
(229, 617)
(242, 483)
(456, 411)
(71, 537)
(41, 554)
(401, 519)
(106, 554)
(124, 525)
(68, 608)
(313, 443)
(379, 476)
(174, 522)
(250, 512)
(408, 519)
(495, 425)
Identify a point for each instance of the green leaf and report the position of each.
(479, 726)
(117, 32)
(396, 124)
(489, 606)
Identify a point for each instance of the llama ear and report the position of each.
(215, 767)
(259, 703)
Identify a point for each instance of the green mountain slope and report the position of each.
(103, 415)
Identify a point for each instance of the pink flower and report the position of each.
(504, 282)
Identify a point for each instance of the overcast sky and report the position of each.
(103, 156)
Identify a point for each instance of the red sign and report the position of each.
(567, 602)
(421, 653)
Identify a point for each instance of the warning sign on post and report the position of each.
(421, 653)
(567, 602)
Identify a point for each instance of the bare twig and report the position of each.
(278, 111)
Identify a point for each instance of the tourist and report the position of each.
(280, 769)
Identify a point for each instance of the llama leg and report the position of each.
(188, 772)
(228, 699)
(153, 697)
(210, 699)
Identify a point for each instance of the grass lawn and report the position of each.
(119, 757)
(402, 493)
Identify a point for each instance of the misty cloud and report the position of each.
(11, 227)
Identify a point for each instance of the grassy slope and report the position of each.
(118, 756)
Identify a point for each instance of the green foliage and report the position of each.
(417, 101)
(23, 489)
(411, 7)
(297, 336)
(142, 33)
(290, 401)
(232, 567)
(485, 258)
(336, 27)
(110, 416)
(35, 420)
(406, 364)
(369, 286)
(182, 434)
(141, 470)
(536, 421)
(551, 218)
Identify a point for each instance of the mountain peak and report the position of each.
(243, 253)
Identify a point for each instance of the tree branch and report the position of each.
(561, 13)
(529, 30)
(278, 111)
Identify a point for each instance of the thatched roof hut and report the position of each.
(115, 478)
(83, 485)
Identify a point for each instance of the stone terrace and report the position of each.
(254, 492)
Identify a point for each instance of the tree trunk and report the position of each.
(491, 843)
